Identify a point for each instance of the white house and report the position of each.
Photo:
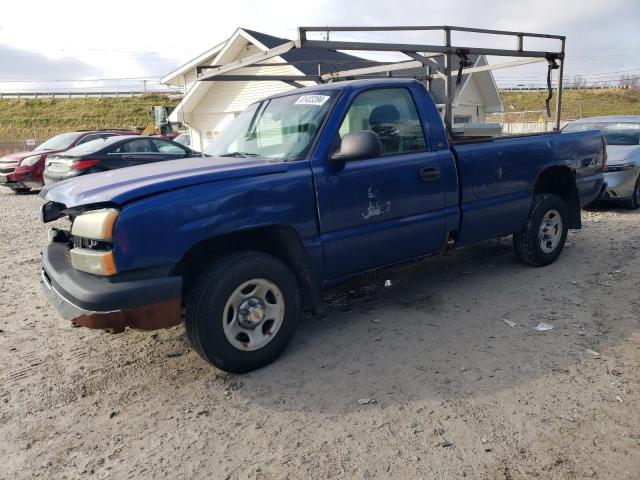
(207, 107)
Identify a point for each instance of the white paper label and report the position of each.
(312, 100)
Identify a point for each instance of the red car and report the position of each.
(22, 171)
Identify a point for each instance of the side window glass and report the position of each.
(136, 146)
(392, 114)
(168, 147)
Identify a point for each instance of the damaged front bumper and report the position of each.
(139, 300)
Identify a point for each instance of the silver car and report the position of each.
(622, 171)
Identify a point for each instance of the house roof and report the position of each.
(172, 77)
(307, 59)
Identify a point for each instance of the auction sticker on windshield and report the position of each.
(312, 100)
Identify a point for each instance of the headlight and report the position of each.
(97, 262)
(95, 224)
(30, 161)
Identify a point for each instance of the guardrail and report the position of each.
(116, 94)
(535, 89)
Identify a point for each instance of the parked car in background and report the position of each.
(622, 172)
(22, 171)
(110, 153)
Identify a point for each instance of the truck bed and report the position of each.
(496, 176)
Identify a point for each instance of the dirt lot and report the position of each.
(452, 390)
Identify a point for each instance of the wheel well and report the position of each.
(561, 181)
(280, 241)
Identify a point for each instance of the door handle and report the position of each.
(429, 173)
(127, 157)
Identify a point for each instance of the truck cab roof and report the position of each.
(350, 85)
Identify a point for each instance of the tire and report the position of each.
(530, 247)
(634, 202)
(20, 190)
(230, 333)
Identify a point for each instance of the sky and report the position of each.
(84, 46)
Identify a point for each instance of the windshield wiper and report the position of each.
(240, 154)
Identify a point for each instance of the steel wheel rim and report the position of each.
(253, 314)
(550, 232)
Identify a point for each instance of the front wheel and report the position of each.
(243, 311)
(542, 238)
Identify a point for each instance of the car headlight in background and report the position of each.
(30, 161)
(95, 224)
(619, 168)
(93, 228)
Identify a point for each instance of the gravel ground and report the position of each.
(422, 379)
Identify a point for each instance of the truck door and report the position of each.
(382, 210)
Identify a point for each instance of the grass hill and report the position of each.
(577, 103)
(42, 118)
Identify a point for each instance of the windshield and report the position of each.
(615, 133)
(59, 142)
(281, 128)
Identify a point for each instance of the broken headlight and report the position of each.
(95, 224)
(94, 230)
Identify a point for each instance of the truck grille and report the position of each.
(80, 242)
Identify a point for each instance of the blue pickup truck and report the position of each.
(303, 190)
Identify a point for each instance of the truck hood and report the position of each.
(619, 154)
(127, 184)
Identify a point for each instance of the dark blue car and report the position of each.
(302, 190)
(110, 153)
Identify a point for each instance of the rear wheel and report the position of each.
(243, 311)
(542, 239)
(20, 189)
(634, 201)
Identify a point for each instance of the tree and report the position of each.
(630, 81)
(577, 82)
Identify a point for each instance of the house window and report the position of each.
(269, 130)
(462, 119)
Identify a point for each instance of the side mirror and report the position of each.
(357, 146)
